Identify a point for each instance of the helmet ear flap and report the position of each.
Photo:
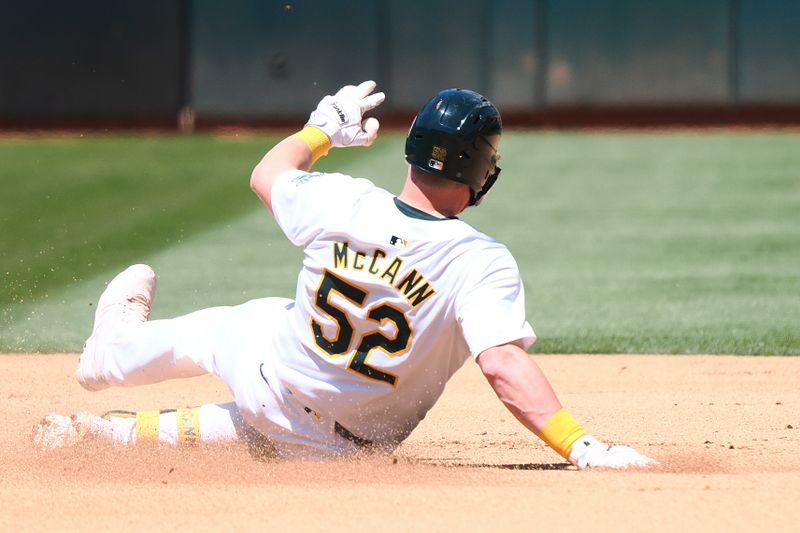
(475, 198)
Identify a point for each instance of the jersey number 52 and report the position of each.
(341, 342)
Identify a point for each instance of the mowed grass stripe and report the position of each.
(660, 243)
(655, 243)
(76, 206)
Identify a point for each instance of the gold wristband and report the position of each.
(560, 432)
(317, 141)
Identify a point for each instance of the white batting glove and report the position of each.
(339, 116)
(588, 452)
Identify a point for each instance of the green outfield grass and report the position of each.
(648, 243)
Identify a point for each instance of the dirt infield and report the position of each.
(726, 430)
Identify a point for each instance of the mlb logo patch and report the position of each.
(398, 242)
(438, 165)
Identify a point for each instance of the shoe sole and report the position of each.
(118, 291)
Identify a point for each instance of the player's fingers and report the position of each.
(371, 126)
(347, 91)
(372, 101)
(364, 88)
(624, 456)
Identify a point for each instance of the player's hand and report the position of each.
(339, 116)
(588, 452)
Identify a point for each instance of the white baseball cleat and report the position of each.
(58, 431)
(127, 299)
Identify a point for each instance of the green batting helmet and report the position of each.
(455, 136)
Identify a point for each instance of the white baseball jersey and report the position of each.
(390, 303)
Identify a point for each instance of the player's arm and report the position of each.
(336, 122)
(520, 384)
(526, 392)
(291, 153)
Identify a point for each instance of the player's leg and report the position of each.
(249, 362)
(155, 351)
(207, 424)
(233, 343)
(125, 349)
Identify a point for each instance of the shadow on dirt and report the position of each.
(521, 466)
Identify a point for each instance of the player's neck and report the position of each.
(423, 204)
(438, 199)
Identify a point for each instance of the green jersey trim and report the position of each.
(413, 212)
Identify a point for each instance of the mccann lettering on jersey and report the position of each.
(415, 288)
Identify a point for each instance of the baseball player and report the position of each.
(394, 295)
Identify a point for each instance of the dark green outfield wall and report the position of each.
(90, 59)
(143, 60)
